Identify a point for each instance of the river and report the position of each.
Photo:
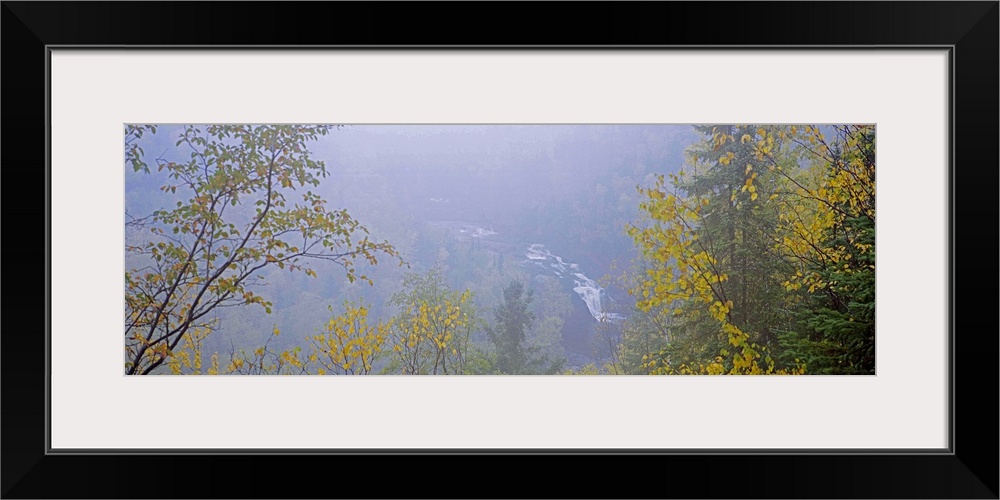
(578, 335)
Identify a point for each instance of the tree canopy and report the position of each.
(762, 252)
(245, 205)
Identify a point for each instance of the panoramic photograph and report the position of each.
(605, 249)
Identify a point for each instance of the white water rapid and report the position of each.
(586, 288)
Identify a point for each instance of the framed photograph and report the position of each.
(452, 197)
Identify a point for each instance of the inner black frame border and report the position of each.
(968, 30)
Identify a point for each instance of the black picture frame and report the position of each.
(969, 469)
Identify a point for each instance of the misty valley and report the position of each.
(499, 249)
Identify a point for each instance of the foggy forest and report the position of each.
(743, 249)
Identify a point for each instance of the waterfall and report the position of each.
(586, 288)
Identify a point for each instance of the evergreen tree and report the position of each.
(512, 319)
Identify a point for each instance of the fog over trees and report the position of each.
(499, 249)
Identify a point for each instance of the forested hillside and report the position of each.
(499, 249)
